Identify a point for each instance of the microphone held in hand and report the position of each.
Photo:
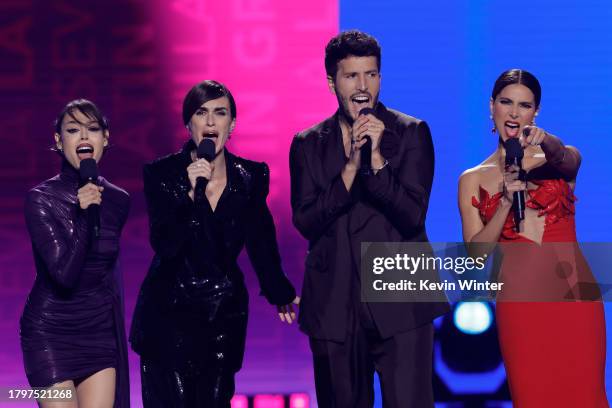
(366, 149)
(206, 151)
(514, 156)
(366, 111)
(88, 171)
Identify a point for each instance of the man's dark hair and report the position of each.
(350, 43)
(203, 92)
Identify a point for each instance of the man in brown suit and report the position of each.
(338, 204)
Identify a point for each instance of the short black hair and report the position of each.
(350, 43)
(203, 92)
(518, 76)
(87, 108)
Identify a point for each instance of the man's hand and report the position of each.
(371, 126)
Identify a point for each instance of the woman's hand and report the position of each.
(512, 183)
(199, 168)
(286, 313)
(89, 194)
(535, 136)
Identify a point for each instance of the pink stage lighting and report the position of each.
(269, 401)
(298, 401)
(240, 401)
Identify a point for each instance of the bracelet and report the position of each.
(381, 167)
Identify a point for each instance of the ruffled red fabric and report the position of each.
(552, 198)
(487, 206)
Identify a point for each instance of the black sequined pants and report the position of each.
(169, 387)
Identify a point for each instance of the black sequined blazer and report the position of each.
(194, 293)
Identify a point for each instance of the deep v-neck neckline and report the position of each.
(221, 197)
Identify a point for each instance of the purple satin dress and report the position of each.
(72, 324)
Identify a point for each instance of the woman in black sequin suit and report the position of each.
(190, 320)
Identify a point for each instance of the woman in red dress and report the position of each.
(554, 351)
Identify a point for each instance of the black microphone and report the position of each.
(206, 151)
(366, 149)
(514, 156)
(88, 170)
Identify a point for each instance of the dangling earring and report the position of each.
(58, 143)
(494, 128)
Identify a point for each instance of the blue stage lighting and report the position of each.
(473, 317)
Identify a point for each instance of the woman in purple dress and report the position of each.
(72, 329)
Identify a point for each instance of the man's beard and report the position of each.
(345, 115)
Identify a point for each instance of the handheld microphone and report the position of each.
(206, 151)
(514, 156)
(88, 171)
(366, 149)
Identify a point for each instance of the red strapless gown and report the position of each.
(554, 352)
